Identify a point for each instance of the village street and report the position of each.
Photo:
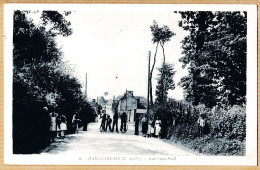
(95, 142)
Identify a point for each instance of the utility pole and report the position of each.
(126, 100)
(126, 104)
(148, 88)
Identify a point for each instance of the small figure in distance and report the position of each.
(201, 125)
(109, 121)
(123, 122)
(103, 122)
(115, 122)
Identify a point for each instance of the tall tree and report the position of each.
(164, 83)
(217, 67)
(40, 78)
(161, 35)
(59, 25)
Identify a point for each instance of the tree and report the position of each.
(164, 83)
(41, 78)
(217, 67)
(161, 35)
(60, 26)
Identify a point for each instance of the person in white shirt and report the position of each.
(201, 124)
(53, 125)
(157, 127)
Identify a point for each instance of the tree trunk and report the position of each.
(151, 93)
(162, 45)
(151, 76)
(164, 83)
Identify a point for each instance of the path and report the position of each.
(94, 142)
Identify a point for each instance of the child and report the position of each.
(109, 120)
(149, 128)
(63, 126)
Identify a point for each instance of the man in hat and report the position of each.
(123, 122)
(115, 122)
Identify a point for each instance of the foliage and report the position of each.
(217, 68)
(164, 83)
(25, 51)
(161, 35)
(60, 24)
(210, 146)
(40, 79)
(225, 129)
(229, 124)
(168, 111)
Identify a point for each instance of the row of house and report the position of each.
(127, 102)
(131, 104)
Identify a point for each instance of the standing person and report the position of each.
(201, 125)
(109, 121)
(142, 121)
(123, 122)
(103, 122)
(157, 127)
(58, 122)
(46, 124)
(53, 125)
(144, 125)
(115, 122)
(63, 126)
(137, 124)
(75, 123)
(153, 128)
(149, 127)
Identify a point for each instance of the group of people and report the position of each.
(106, 122)
(58, 125)
(151, 127)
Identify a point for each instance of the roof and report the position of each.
(118, 97)
(141, 98)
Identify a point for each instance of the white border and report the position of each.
(251, 121)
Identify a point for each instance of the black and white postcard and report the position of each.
(130, 84)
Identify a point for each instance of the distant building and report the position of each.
(131, 105)
(109, 109)
(94, 105)
(102, 102)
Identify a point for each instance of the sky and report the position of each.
(111, 45)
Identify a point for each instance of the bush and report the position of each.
(40, 79)
(229, 124)
(225, 129)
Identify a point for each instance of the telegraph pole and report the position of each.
(148, 83)
(126, 101)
